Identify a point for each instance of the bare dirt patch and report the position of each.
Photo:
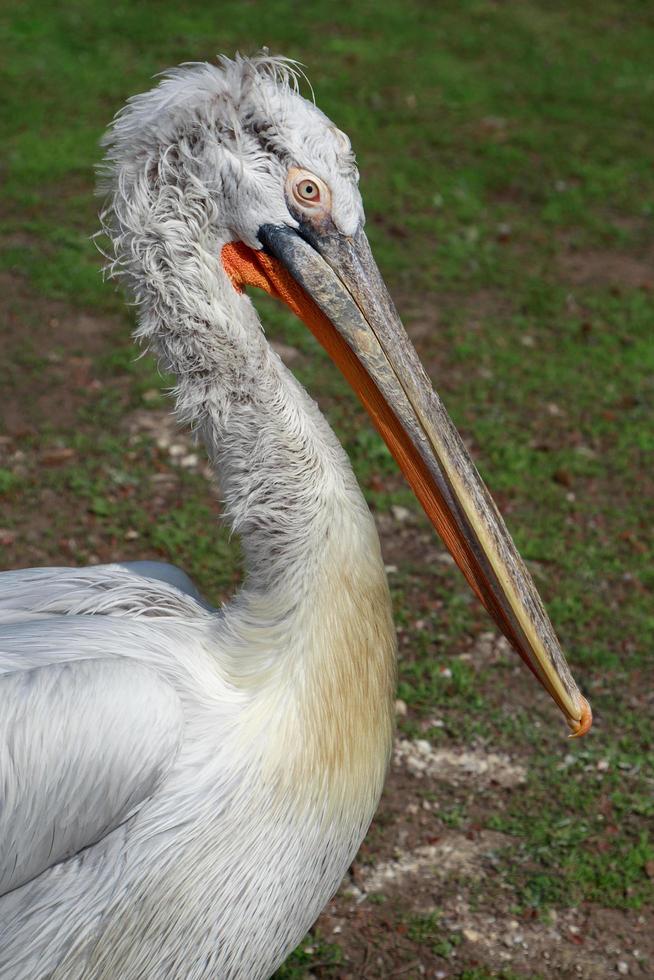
(423, 321)
(453, 853)
(59, 342)
(597, 268)
(435, 906)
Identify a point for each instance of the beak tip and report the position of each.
(582, 725)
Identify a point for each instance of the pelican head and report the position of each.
(270, 199)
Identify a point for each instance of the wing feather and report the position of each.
(134, 590)
(83, 745)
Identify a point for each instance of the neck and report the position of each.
(283, 476)
(315, 599)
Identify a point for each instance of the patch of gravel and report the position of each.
(156, 423)
(455, 852)
(489, 649)
(457, 766)
(565, 943)
(178, 444)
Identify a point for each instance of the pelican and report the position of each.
(183, 787)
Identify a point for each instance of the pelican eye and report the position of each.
(307, 191)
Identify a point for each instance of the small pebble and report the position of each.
(622, 968)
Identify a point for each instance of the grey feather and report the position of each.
(82, 745)
(170, 574)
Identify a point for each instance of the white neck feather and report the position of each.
(281, 471)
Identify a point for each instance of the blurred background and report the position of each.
(506, 158)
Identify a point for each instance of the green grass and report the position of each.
(587, 831)
(427, 931)
(313, 954)
(499, 144)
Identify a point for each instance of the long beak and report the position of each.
(332, 283)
